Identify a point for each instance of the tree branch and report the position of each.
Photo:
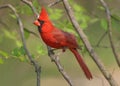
(91, 51)
(35, 64)
(31, 32)
(101, 38)
(32, 7)
(54, 58)
(108, 14)
(54, 3)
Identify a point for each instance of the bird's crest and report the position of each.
(43, 15)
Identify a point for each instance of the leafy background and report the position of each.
(15, 68)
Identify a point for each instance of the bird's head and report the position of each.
(43, 17)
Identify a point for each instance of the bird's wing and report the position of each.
(65, 38)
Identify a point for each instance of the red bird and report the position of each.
(59, 39)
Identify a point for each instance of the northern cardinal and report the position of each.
(59, 39)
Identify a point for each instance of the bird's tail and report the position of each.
(82, 63)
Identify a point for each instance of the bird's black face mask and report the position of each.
(41, 24)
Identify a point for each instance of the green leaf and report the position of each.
(116, 17)
(19, 51)
(40, 50)
(83, 25)
(94, 20)
(15, 52)
(56, 14)
(104, 24)
(26, 33)
(22, 50)
(115, 23)
(24, 9)
(78, 8)
(101, 8)
(81, 16)
(9, 34)
(3, 54)
(13, 16)
(12, 35)
(22, 59)
(36, 4)
(1, 61)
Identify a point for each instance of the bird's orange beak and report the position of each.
(37, 23)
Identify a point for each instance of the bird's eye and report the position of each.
(39, 20)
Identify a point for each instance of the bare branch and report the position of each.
(31, 32)
(91, 51)
(37, 67)
(54, 3)
(53, 57)
(108, 14)
(35, 14)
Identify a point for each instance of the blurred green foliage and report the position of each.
(3, 55)
(92, 21)
(60, 19)
(19, 53)
(104, 24)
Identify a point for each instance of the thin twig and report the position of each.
(115, 17)
(4, 24)
(108, 14)
(37, 67)
(53, 57)
(91, 51)
(34, 11)
(32, 7)
(54, 3)
(31, 32)
(101, 38)
(27, 30)
(101, 46)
